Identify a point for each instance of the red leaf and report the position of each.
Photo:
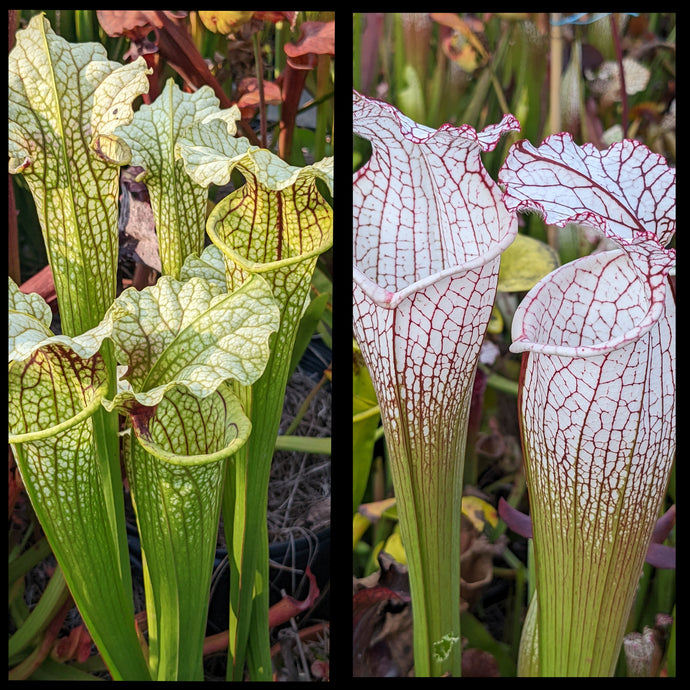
(77, 646)
(276, 17)
(317, 38)
(248, 96)
(366, 598)
(43, 284)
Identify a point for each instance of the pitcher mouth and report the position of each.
(532, 333)
(258, 267)
(390, 299)
(91, 404)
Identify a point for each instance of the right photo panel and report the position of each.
(514, 369)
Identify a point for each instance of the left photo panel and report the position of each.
(170, 318)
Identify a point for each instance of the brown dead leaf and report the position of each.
(382, 622)
(476, 568)
(476, 663)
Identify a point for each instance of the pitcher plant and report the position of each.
(179, 204)
(184, 344)
(275, 225)
(56, 386)
(597, 395)
(429, 228)
(65, 101)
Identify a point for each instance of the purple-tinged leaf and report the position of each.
(664, 525)
(661, 556)
(516, 520)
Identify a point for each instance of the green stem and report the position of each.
(429, 508)
(501, 383)
(234, 510)
(259, 647)
(282, 33)
(53, 598)
(621, 72)
(106, 436)
(399, 58)
(438, 80)
(556, 53)
(323, 110)
(357, 26)
(304, 444)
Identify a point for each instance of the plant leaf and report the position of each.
(209, 266)
(65, 100)
(275, 226)
(28, 321)
(210, 156)
(479, 512)
(29, 328)
(53, 396)
(524, 263)
(624, 190)
(224, 22)
(179, 204)
(176, 470)
(429, 228)
(190, 333)
(364, 429)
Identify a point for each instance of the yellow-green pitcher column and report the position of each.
(185, 344)
(276, 225)
(296, 226)
(65, 101)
